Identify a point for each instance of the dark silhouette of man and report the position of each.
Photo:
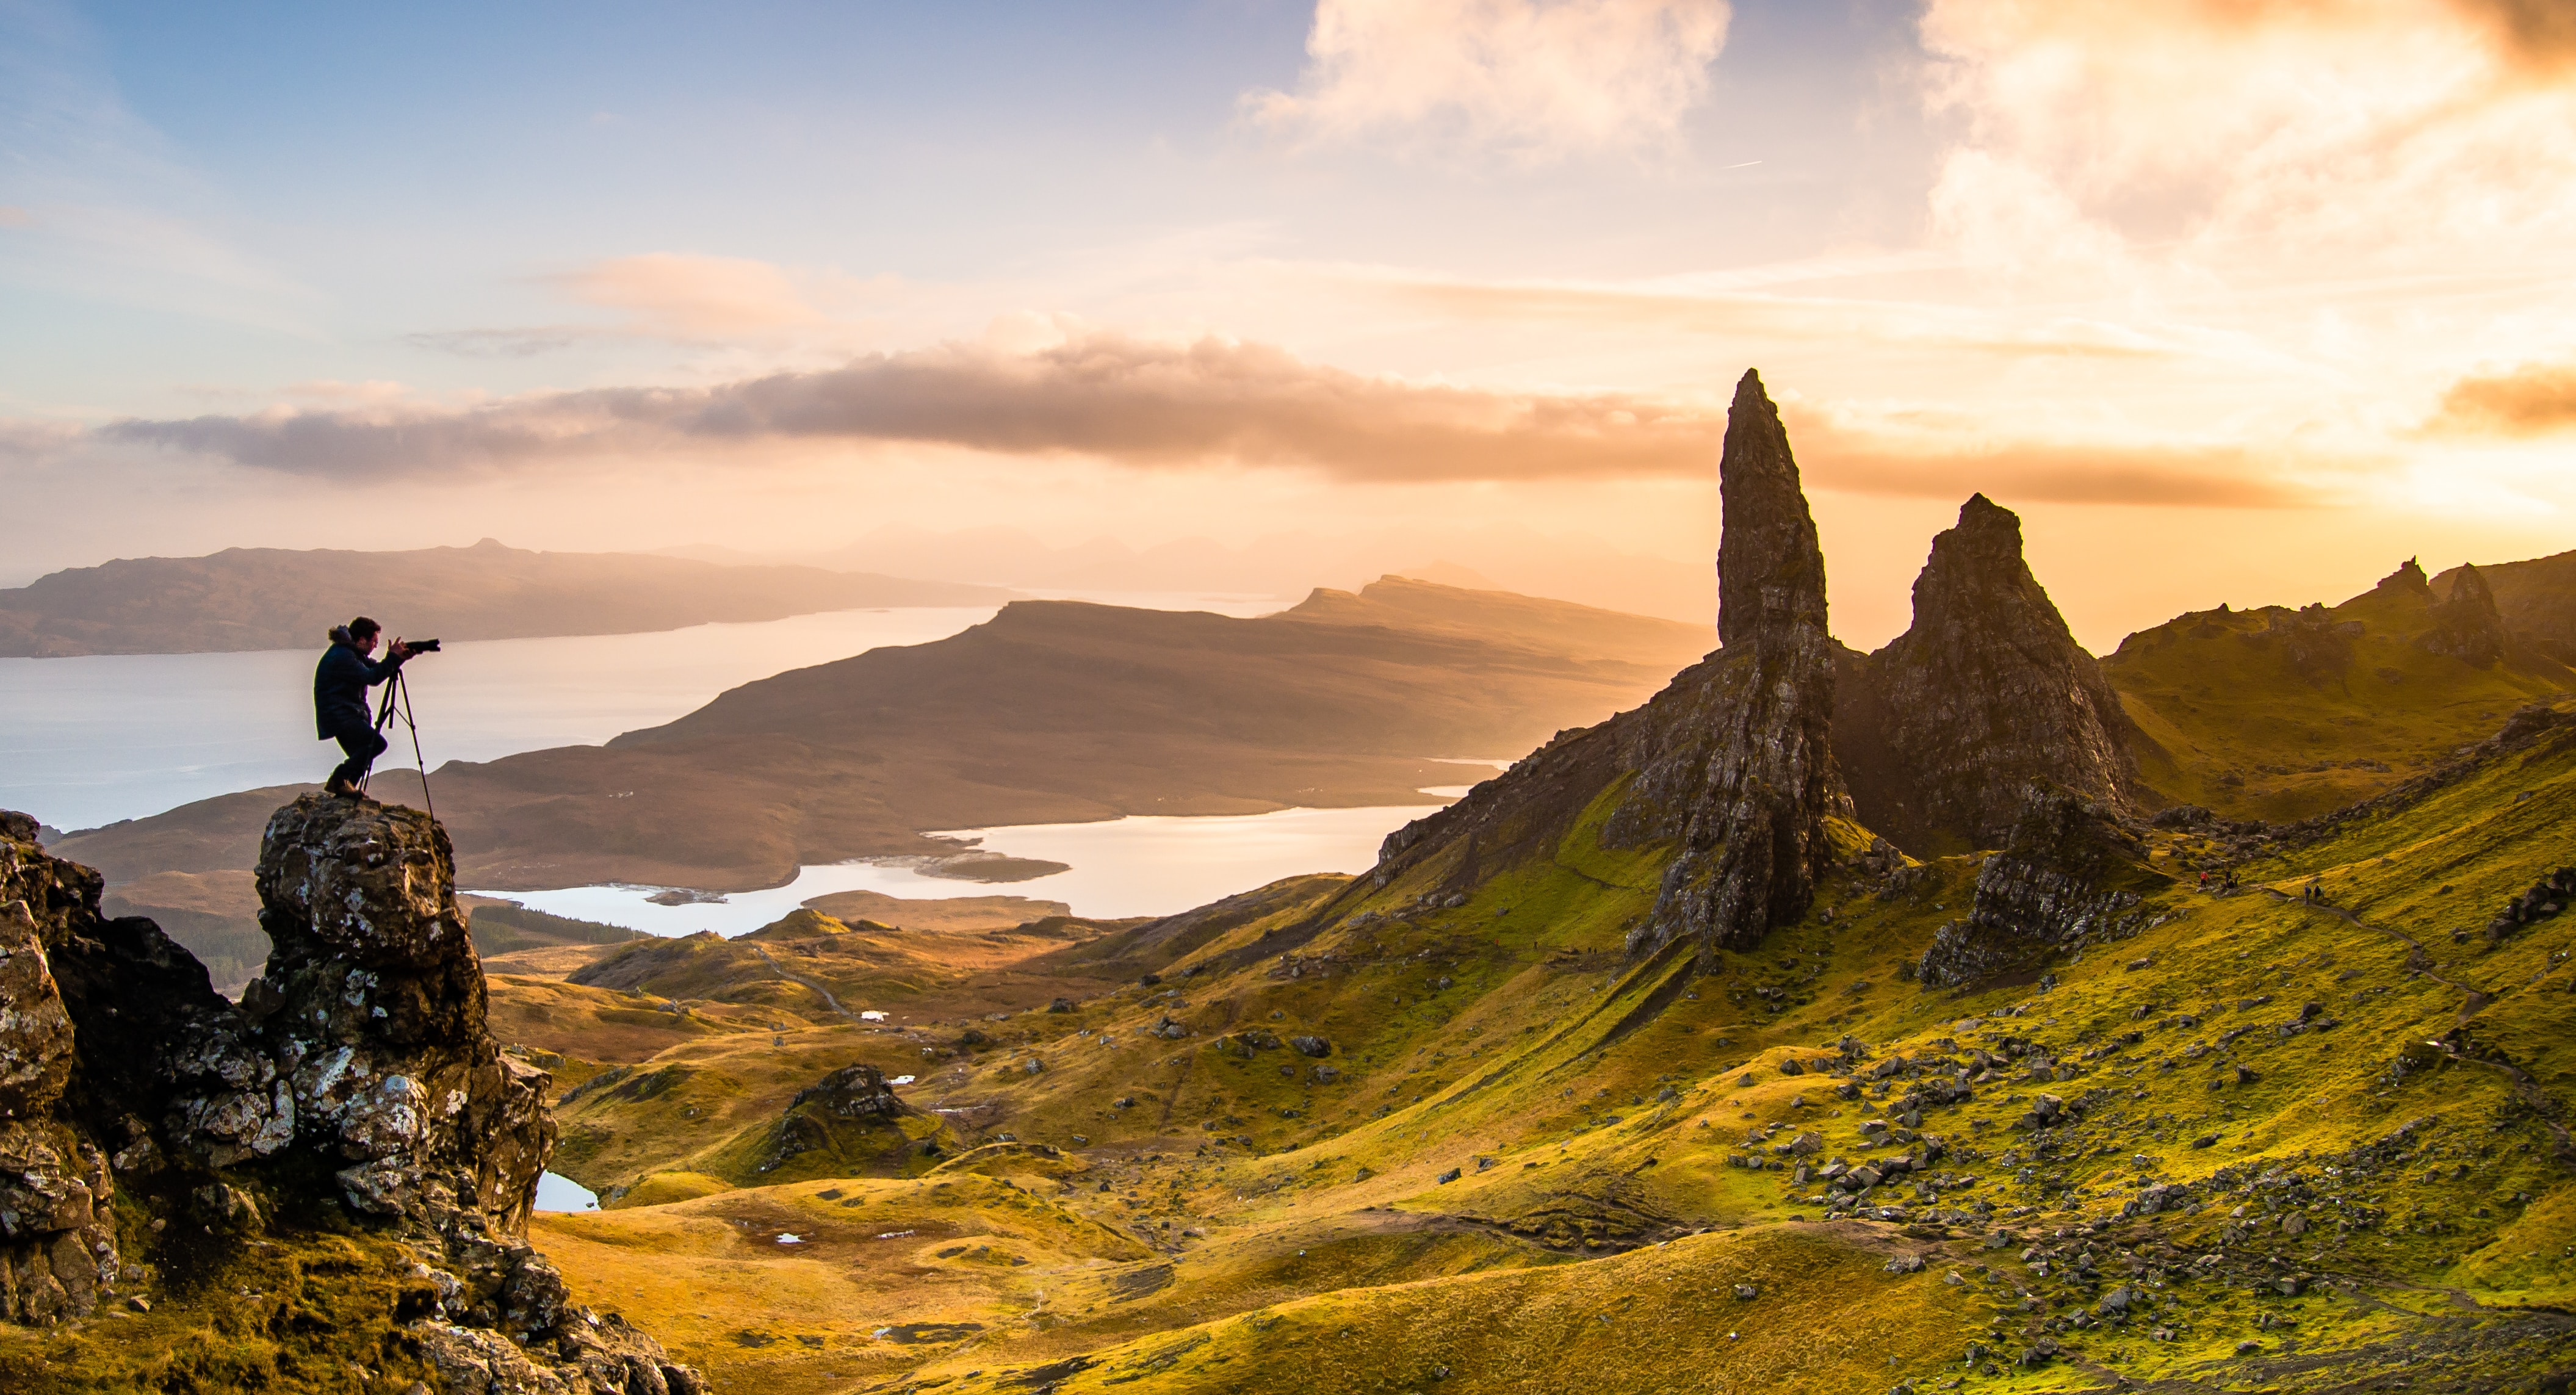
(340, 684)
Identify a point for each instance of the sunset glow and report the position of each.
(2228, 297)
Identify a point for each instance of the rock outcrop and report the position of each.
(1947, 731)
(2072, 875)
(355, 1085)
(1757, 790)
(2466, 624)
(848, 1124)
(853, 1092)
(58, 1245)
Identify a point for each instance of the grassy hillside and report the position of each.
(2282, 714)
(2538, 599)
(2219, 1151)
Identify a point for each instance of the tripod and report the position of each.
(398, 703)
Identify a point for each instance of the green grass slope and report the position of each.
(2283, 714)
(2266, 1142)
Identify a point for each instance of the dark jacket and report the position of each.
(340, 684)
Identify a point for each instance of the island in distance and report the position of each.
(246, 598)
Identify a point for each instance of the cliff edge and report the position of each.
(154, 1133)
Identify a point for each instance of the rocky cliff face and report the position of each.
(1754, 793)
(2466, 624)
(355, 1084)
(58, 1244)
(1955, 722)
(2071, 876)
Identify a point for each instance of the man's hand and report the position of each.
(399, 651)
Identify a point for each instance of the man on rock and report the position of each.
(340, 684)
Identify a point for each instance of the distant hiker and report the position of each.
(2204, 879)
(340, 684)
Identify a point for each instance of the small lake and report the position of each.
(91, 740)
(1144, 865)
(556, 1192)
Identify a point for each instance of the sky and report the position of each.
(2234, 301)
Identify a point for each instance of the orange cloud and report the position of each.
(691, 296)
(1835, 457)
(1210, 403)
(2530, 400)
(1104, 395)
(2535, 34)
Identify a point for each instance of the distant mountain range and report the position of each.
(270, 598)
(1572, 567)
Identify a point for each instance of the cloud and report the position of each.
(522, 342)
(1835, 456)
(2190, 136)
(1539, 79)
(1143, 404)
(2529, 400)
(673, 296)
(683, 296)
(1692, 306)
(1210, 403)
(21, 439)
(2538, 35)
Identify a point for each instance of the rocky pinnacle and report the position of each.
(1985, 696)
(1755, 841)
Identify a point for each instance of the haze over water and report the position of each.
(88, 741)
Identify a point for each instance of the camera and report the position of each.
(421, 646)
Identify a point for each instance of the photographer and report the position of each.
(340, 685)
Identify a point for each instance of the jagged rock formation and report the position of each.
(2466, 624)
(1944, 733)
(822, 1117)
(1758, 789)
(2071, 877)
(2537, 599)
(58, 1250)
(853, 1092)
(2314, 644)
(362, 1049)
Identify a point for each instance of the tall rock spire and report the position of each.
(1754, 843)
(1987, 695)
(1770, 571)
